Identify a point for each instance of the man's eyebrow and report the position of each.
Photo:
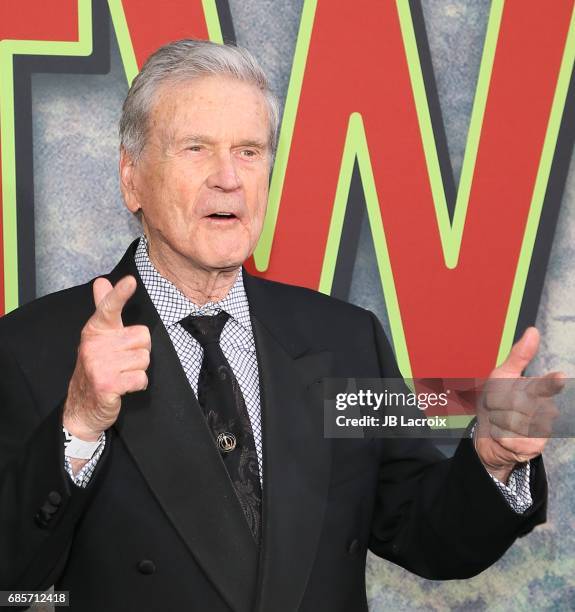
(196, 139)
(256, 144)
(192, 139)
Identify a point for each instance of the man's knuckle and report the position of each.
(141, 379)
(144, 335)
(489, 401)
(511, 417)
(138, 334)
(84, 352)
(92, 367)
(516, 424)
(136, 380)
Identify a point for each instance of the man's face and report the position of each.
(202, 178)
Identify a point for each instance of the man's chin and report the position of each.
(224, 263)
(225, 253)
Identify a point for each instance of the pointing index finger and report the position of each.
(547, 386)
(110, 301)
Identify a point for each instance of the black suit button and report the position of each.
(145, 566)
(46, 516)
(40, 520)
(353, 547)
(55, 498)
(48, 509)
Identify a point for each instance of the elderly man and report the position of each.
(162, 427)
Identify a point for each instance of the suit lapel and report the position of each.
(297, 456)
(168, 438)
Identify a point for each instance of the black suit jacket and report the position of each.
(161, 494)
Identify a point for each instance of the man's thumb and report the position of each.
(521, 353)
(101, 287)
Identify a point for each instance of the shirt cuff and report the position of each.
(517, 491)
(82, 478)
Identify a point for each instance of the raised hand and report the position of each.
(515, 414)
(112, 361)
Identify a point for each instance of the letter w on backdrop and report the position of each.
(361, 133)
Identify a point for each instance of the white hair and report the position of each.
(184, 60)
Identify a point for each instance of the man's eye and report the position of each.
(249, 153)
(195, 148)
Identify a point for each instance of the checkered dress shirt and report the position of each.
(238, 345)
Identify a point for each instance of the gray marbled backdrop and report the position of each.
(82, 230)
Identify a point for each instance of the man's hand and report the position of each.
(515, 415)
(112, 360)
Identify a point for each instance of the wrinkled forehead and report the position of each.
(216, 106)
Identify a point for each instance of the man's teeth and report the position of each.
(222, 214)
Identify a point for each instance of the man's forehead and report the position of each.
(206, 97)
(208, 105)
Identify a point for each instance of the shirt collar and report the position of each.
(172, 305)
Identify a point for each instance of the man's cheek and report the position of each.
(260, 209)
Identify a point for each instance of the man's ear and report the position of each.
(129, 191)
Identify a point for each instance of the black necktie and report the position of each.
(224, 408)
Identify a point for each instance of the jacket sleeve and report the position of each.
(443, 518)
(39, 505)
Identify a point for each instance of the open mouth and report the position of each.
(222, 215)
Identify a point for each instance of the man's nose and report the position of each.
(224, 174)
